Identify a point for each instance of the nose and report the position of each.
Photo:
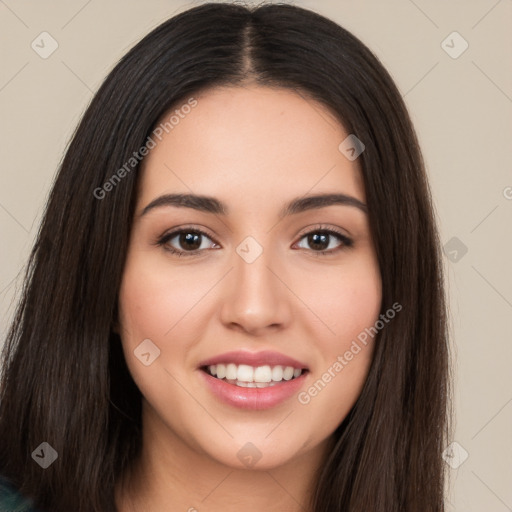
(256, 298)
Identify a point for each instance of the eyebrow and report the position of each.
(209, 204)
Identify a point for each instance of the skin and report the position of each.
(240, 145)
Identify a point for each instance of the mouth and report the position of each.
(256, 381)
(246, 376)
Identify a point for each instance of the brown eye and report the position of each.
(323, 241)
(186, 241)
(190, 241)
(318, 241)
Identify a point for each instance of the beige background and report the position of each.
(462, 108)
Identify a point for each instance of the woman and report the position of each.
(235, 300)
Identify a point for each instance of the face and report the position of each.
(240, 309)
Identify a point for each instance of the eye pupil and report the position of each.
(319, 241)
(190, 240)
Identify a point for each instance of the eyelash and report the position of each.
(162, 241)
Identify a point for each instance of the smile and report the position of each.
(249, 380)
(247, 376)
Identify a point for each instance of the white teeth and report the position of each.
(221, 371)
(245, 373)
(243, 384)
(288, 373)
(248, 376)
(263, 374)
(277, 373)
(231, 371)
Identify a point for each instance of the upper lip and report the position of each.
(266, 357)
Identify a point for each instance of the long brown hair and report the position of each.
(64, 378)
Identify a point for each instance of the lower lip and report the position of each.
(253, 398)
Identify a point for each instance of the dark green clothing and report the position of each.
(13, 501)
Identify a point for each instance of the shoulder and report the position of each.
(11, 500)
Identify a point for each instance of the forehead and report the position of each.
(250, 142)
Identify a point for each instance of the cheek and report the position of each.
(153, 301)
(163, 305)
(345, 300)
(349, 302)
(149, 308)
(151, 304)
